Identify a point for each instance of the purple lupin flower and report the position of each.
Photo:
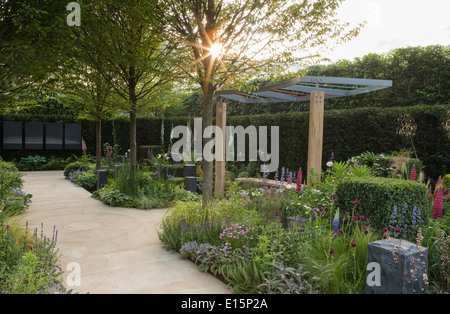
(282, 174)
(335, 222)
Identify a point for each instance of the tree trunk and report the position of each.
(133, 101)
(133, 159)
(98, 142)
(207, 118)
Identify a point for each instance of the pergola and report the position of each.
(306, 88)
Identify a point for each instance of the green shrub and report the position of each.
(10, 178)
(8, 166)
(379, 163)
(73, 167)
(86, 180)
(12, 197)
(113, 198)
(55, 163)
(274, 243)
(378, 196)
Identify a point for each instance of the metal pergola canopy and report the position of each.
(299, 89)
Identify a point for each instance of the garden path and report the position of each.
(117, 249)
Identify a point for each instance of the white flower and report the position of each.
(289, 186)
(330, 164)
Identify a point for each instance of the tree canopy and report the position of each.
(122, 41)
(32, 35)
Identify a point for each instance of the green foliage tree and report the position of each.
(32, 36)
(125, 45)
(40, 105)
(420, 75)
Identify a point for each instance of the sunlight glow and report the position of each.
(216, 50)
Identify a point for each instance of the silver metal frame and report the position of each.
(299, 89)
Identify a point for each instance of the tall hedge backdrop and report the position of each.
(347, 133)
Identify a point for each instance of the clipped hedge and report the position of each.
(378, 196)
(351, 132)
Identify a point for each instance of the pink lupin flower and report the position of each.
(299, 180)
(438, 200)
(412, 174)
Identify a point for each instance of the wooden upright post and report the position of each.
(315, 135)
(221, 122)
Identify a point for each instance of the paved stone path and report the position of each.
(117, 249)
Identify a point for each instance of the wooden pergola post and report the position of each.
(221, 122)
(315, 141)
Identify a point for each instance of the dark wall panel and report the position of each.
(72, 136)
(53, 136)
(34, 135)
(12, 135)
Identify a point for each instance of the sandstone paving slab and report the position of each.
(117, 249)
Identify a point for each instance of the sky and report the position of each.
(393, 24)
